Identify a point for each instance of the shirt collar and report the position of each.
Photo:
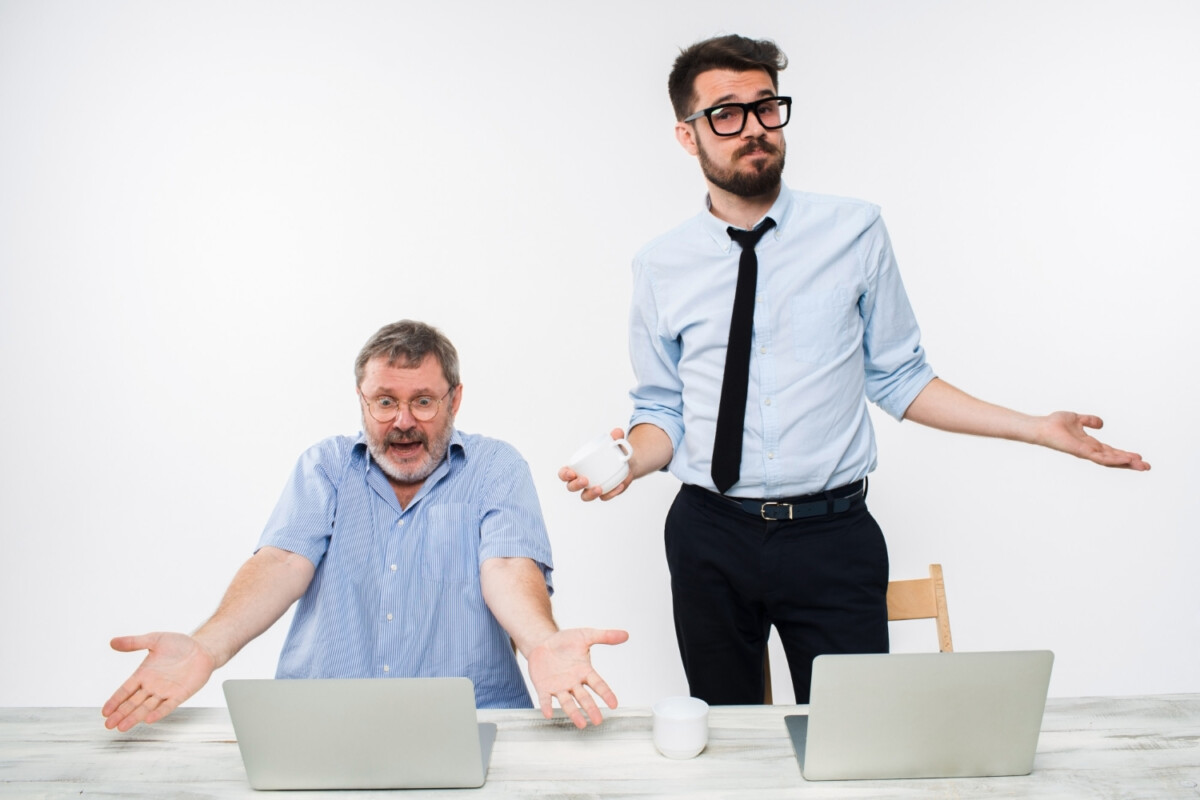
(718, 229)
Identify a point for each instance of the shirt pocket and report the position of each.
(823, 325)
(450, 544)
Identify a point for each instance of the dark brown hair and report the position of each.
(732, 52)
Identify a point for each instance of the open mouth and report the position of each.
(403, 450)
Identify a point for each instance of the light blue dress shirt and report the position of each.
(832, 328)
(396, 591)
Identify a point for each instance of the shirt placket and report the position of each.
(764, 353)
(391, 597)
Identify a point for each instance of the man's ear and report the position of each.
(685, 134)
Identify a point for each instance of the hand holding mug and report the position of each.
(602, 462)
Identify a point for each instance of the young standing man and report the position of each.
(759, 330)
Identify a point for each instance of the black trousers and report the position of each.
(821, 581)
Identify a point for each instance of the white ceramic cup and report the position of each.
(680, 726)
(603, 461)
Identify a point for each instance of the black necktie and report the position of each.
(731, 414)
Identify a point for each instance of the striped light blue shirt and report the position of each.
(833, 328)
(396, 591)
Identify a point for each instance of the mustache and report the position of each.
(410, 435)
(756, 146)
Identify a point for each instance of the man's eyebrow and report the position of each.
(730, 97)
(396, 395)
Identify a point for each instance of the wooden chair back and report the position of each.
(922, 598)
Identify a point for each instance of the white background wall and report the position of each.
(206, 208)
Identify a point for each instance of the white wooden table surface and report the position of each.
(1131, 747)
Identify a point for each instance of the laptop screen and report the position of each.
(377, 733)
(922, 715)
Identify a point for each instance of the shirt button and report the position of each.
(771, 455)
(393, 567)
(399, 522)
(389, 617)
(386, 668)
(763, 349)
(767, 401)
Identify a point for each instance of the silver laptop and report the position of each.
(369, 733)
(922, 715)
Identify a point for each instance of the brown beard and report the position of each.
(763, 178)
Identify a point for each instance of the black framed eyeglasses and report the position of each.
(423, 409)
(730, 119)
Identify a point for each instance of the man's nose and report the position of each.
(404, 418)
(753, 129)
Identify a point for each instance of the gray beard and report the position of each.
(436, 449)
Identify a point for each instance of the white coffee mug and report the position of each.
(603, 461)
(680, 726)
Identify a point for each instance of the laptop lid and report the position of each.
(362, 733)
(922, 715)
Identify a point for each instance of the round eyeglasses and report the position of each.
(386, 409)
(730, 119)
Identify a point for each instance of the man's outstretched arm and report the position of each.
(560, 663)
(942, 406)
(178, 665)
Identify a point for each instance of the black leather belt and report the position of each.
(834, 501)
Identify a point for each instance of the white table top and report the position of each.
(1132, 747)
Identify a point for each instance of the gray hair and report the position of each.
(406, 344)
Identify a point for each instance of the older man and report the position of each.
(415, 550)
(760, 328)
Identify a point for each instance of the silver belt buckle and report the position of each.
(763, 511)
